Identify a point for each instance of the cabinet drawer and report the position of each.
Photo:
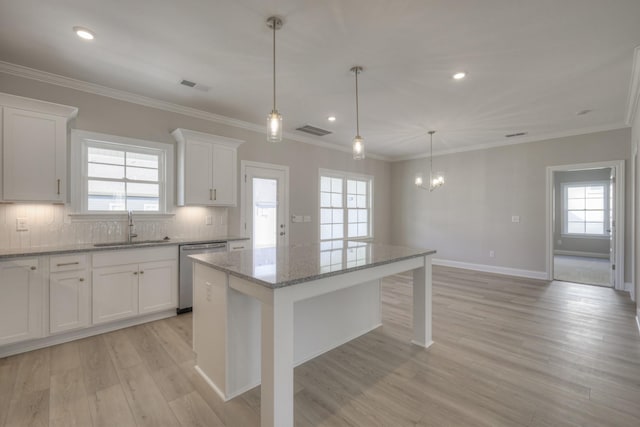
(239, 245)
(68, 262)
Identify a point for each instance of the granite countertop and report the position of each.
(90, 247)
(285, 266)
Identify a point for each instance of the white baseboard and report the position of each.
(628, 287)
(579, 253)
(35, 344)
(530, 274)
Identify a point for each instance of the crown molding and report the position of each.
(96, 89)
(634, 88)
(538, 138)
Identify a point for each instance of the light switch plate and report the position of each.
(515, 218)
(307, 218)
(21, 224)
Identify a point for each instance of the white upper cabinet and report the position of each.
(207, 169)
(34, 149)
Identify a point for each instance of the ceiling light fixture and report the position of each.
(358, 141)
(84, 33)
(274, 119)
(331, 118)
(459, 76)
(435, 180)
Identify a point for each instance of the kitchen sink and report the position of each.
(135, 242)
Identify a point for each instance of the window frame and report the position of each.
(345, 176)
(82, 140)
(565, 208)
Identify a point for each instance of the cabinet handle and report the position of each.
(135, 273)
(33, 267)
(58, 187)
(239, 247)
(142, 272)
(82, 279)
(62, 264)
(215, 194)
(210, 194)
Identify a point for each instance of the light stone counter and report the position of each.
(90, 247)
(289, 265)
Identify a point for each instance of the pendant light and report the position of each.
(274, 119)
(435, 180)
(358, 141)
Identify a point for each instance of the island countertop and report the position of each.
(289, 265)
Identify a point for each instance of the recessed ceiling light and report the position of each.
(84, 33)
(459, 76)
(331, 118)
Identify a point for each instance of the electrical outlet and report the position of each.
(515, 218)
(208, 220)
(559, 241)
(21, 224)
(492, 254)
(307, 218)
(209, 291)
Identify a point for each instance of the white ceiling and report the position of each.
(531, 64)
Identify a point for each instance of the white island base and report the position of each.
(226, 335)
(246, 333)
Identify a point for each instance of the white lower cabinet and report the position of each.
(157, 286)
(69, 293)
(21, 296)
(125, 290)
(115, 293)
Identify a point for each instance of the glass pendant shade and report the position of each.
(419, 180)
(274, 127)
(358, 148)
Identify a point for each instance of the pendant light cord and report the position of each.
(274, 64)
(357, 109)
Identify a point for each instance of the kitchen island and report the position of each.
(258, 313)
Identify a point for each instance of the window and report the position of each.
(586, 209)
(119, 174)
(345, 205)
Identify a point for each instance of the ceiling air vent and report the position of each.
(511, 135)
(187, 83)
(313, 130)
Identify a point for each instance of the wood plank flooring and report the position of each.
(508, 352)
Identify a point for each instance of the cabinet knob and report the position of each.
(135, 273)
(33, 267)
(142, 272)
(282, 233)
(81, 279)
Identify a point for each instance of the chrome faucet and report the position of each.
(131, 233)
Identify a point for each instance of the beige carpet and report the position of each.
(592, 271)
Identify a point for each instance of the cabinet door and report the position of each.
(34, 156)
(20, 301)
(158, 286)
(69, 300)
(115, 293)
(224, 175)
(198, 189)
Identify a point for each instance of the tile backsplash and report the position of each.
(51, 225)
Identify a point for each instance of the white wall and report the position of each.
(635, 143)
(107, 115)
(471, 214)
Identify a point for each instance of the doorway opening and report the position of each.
(585, 221)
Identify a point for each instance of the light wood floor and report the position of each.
(507, 352)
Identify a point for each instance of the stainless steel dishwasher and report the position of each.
(185, 301)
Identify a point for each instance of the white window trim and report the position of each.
(78, 167)
(563, 201)
(347, 175)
